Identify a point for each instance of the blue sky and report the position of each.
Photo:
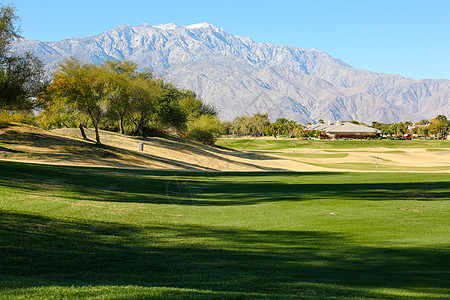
(407, 37)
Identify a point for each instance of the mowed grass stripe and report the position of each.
(109, 233)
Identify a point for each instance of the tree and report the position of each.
(272, 129)
(423, 122)
(21, 80)
(120, 74)
(84, 86)
(439, 126)
(144, 94)
(241, 125)
(168, 112)
(423, 131)
(192, 106)
(259, 122)
(8, 28)
(286, 127)
(441, 118)
(21, 76)
(399, 128)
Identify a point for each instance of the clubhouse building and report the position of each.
(344, 130)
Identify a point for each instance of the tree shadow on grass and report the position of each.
(207, 151)
(80, 151)
(41, 251)
(205, 188)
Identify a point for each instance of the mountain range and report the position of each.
(241, 77)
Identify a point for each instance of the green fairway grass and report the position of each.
(382, 166)
(373, 151)
(277, 144)
(99, 233)
(437, 150)
(312, 155)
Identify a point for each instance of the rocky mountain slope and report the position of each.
(241, 77)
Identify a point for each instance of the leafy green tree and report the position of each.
(144, 94)
(226, 125)
(120, 75)
(423, 122)
(376, 125)
(423, 131)
(8, 28)
(258, 123)
(399, 128)
(287, 127)
(116, 91)
(192, 106)
(439, 126)
(441, 118)
(21, 76)
(241, 125)
(168, 111)
(84, 86)
(273, 129)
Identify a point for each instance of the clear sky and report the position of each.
(406, 37)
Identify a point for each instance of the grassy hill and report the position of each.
(21, 142)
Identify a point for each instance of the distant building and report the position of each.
(344, 130)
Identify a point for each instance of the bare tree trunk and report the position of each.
(95, 121)
(97, 135)
(121, 125)
(141, 126)
(83, 133)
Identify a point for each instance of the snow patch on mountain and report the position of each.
(241, 77)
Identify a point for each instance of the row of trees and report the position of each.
(115, 95)
(437, 127)
(259, 124)
(249, 125)
(284, 127)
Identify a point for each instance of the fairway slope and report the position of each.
(26, 143)
(65, 147)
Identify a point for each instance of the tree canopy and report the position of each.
(116, 92)
(21, 75)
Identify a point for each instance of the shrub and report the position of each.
(204, 129)
(26, 117)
